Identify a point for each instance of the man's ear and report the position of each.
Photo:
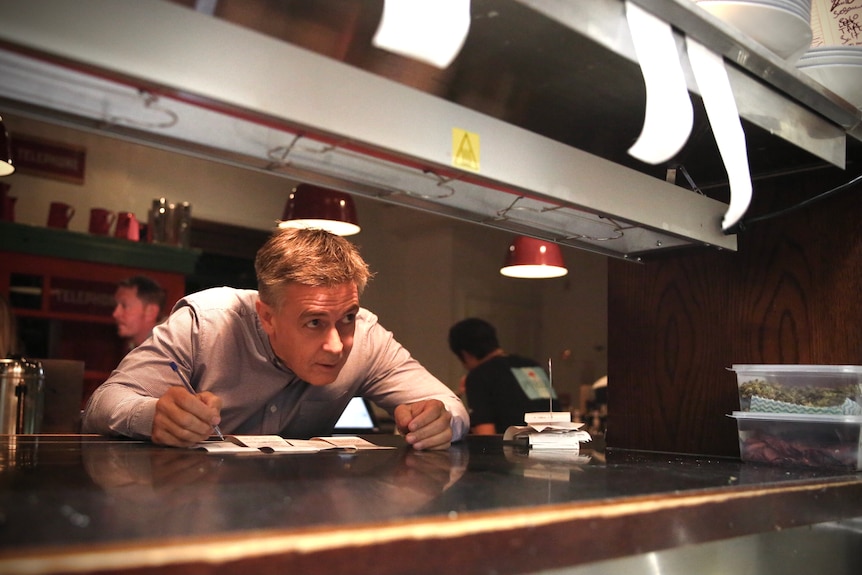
(264, 312)
(152, 312)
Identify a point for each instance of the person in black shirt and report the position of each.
(501, 387)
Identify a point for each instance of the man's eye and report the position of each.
(313, 323)
(349, 318)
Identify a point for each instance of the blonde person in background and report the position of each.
(139, 306)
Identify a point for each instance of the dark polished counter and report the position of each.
(90, 504)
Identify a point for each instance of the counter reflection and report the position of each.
(190, 492)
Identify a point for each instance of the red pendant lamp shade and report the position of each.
(6, 166)
(310, 206)
(533, 258)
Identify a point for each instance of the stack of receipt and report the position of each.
(549, 430)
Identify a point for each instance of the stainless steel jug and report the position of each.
(22, 396)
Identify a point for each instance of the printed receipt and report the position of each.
(711, 77)
(432, 31)
(669, 114)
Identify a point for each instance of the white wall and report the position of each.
(125, 177)
(430, 271)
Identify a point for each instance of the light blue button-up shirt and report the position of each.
(216, 339)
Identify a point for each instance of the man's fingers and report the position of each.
(183, 419)
(425, 424)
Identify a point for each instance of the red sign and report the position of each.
(82, 296)
(49, 159)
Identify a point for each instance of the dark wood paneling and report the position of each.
(226, 255)
(790, 294)
(226, 239)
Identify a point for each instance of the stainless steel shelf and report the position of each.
(244, 97)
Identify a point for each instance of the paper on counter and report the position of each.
(558, 427)
(431, 31)
(718, 99)
(836, 23)
(259, 444)
(555, 441)
(253, 444)
(535, 417)
(669, 114)
(560, 435)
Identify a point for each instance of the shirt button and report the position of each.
(273, 408)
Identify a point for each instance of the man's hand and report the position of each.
(183, 419)
(424, 424)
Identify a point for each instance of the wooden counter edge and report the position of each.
(516, 541)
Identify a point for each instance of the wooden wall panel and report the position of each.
(790, 294)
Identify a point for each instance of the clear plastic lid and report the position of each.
(797, 368)
(797, 417)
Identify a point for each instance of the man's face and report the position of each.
(135, 319)
(312, 331)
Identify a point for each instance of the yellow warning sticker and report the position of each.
(465, 149)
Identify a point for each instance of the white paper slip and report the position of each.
(563, 435)
(718, 99)
(548, 417)
(431, 31)
(669, 115)
(569, 440)
(262, 444)
(349, 442)
(836, 23)
(254, 445)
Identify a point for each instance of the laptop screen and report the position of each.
(356, 418)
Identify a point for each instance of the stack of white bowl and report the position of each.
(835, 58)
(837, 68)
(782, 26)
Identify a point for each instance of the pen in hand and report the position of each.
(191, 390)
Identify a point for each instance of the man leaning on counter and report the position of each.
(284, 359)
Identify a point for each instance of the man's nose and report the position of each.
(333, 343)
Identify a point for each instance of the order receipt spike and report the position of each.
(549, 417)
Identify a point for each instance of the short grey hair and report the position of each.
(311, 257)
